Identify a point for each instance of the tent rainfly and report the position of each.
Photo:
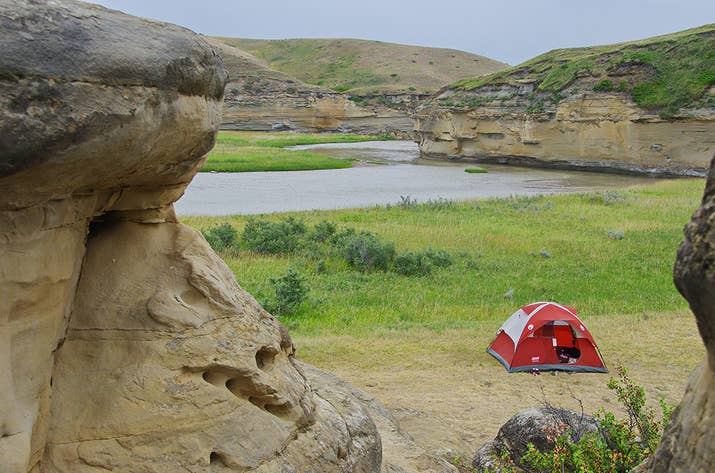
(546, 336)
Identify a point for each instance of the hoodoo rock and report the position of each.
(126, 344)
(688, 444)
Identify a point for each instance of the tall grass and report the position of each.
(508, 252)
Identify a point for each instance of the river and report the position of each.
(400, 173)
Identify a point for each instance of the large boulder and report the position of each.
(688, 443)
(539, 426)
(126, 344)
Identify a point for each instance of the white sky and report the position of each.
(509, 30)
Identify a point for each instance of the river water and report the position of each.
(401, 173)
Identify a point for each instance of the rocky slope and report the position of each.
(258, 98)
(336, 85)
(644, 106)
(126, 344)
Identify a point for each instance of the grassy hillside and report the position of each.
(664, 73)
(365, 67)
(252, 75)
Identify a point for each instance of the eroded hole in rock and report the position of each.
(216, 378)
(192, 297)
(278, 410)
(216, 459)
(265, 357)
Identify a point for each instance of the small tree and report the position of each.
(290, 291)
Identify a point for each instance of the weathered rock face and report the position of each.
(125, 343)
(588, 131)
(688, 443)
(636, 107)
(310, 112)
(540, 426)
(261, 99)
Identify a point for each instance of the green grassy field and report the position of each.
(253, 151)
(418, 343)
(605, 253)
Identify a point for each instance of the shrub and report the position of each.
(365, 252)
(322, 231)
(290, 291)
(221, 237)
(438, 258)
(476, 170)
(264, 236)
(606, 85)
(618, 446)
(412, 263)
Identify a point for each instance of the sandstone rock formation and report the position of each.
(688, 444)
(603, 132)
(615, 108)
(126, 345)
(261, 99)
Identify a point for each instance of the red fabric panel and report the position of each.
(589, 355)
(564, 337)
(535, 351)
(503, 346)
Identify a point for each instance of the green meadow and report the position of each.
(255, 151)
(605, 253)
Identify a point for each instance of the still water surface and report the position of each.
(401, 173)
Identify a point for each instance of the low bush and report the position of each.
(438, 258)
(606, 85)
(411, 263)
(222, 237)
(618, 446)
(364, 251)
(263, 236)
(322, 231)
(290, 292)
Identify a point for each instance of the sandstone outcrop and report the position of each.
(126, 344)
(261, 99)
(602, 108)
(688, 443)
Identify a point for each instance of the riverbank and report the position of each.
(237, 151)
(418, 342)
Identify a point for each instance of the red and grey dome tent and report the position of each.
(548, 337)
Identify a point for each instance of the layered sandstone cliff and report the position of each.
(126, 344)
(259, 98)
(625, 107)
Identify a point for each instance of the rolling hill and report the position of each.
(364, 67)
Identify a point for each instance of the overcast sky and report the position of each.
(508, 30)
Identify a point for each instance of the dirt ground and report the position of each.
(452, 397)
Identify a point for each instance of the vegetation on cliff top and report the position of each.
(365, 67)
(663, 73)
(249, 151)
